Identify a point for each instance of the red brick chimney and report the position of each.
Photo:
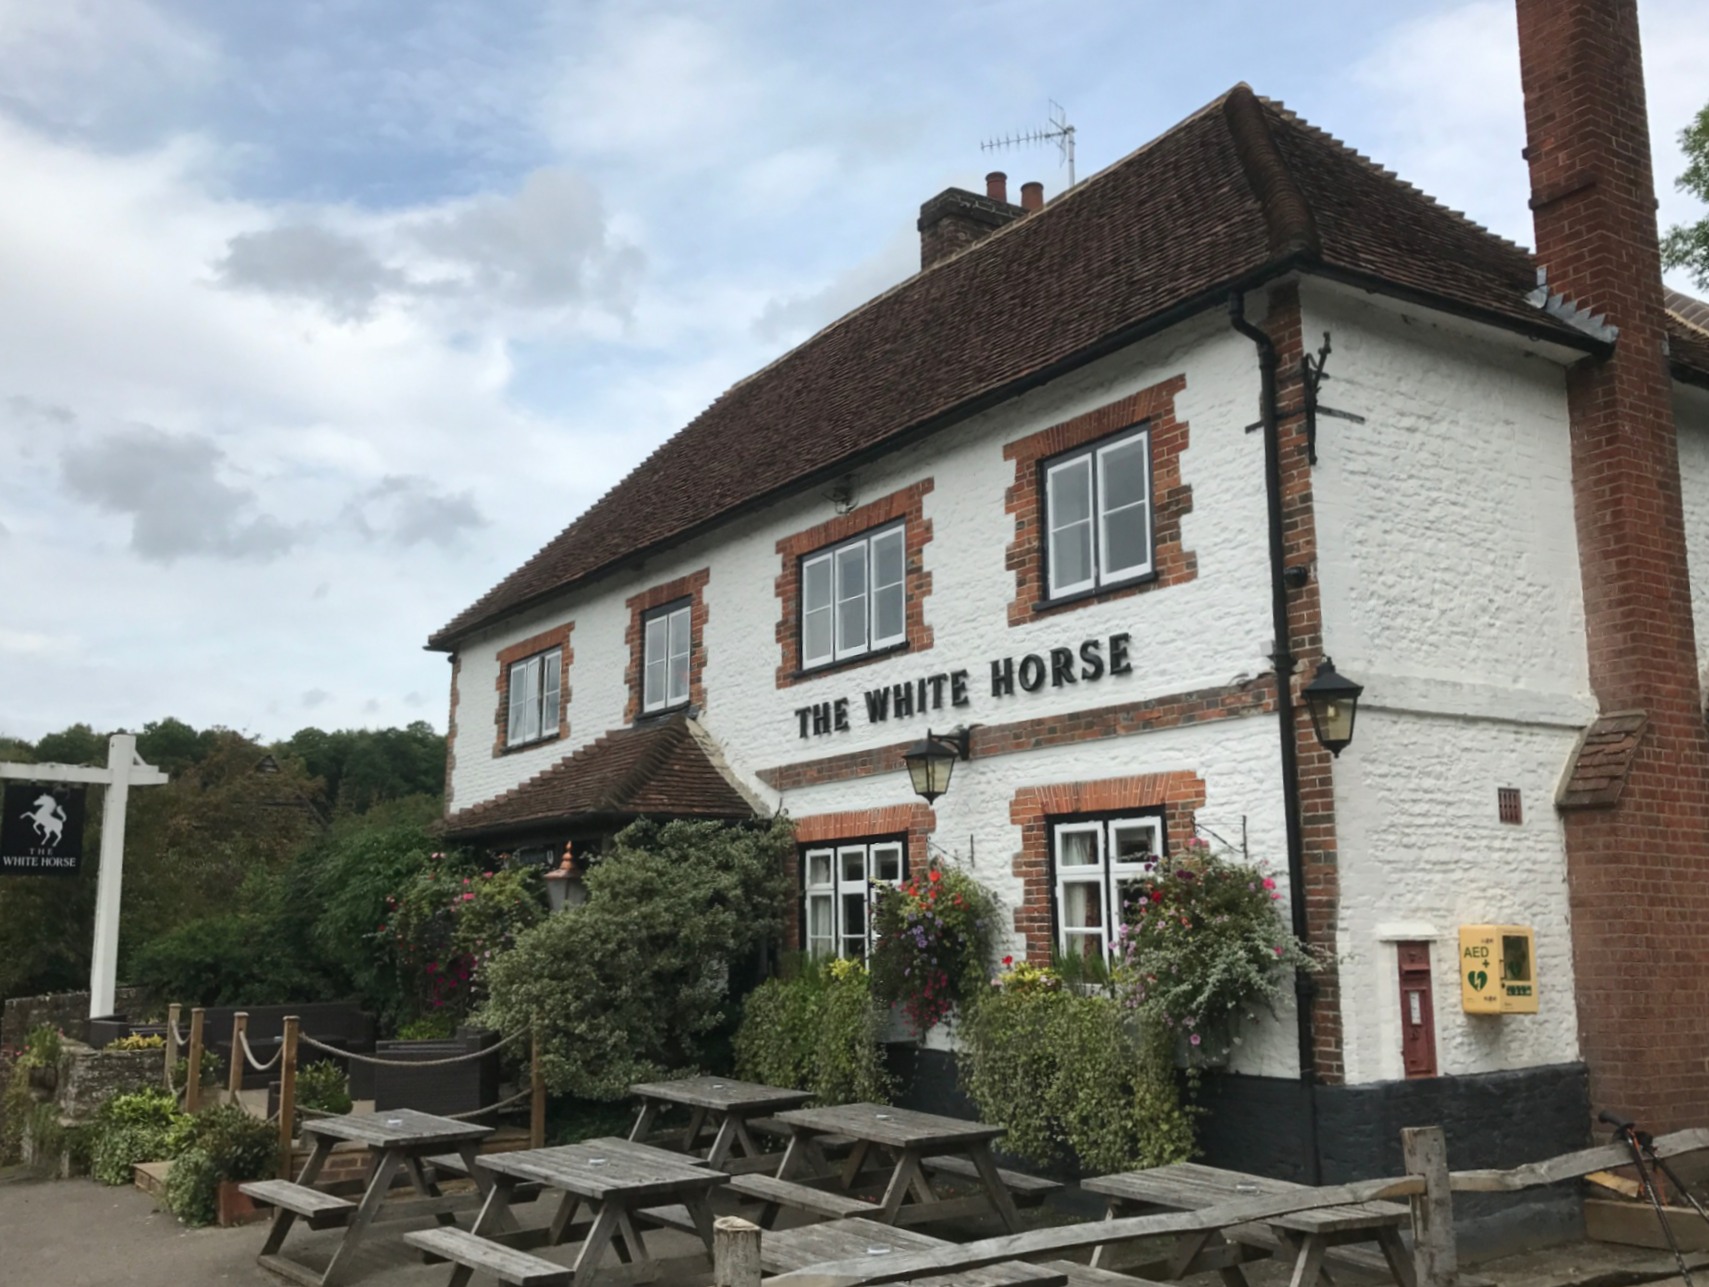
(956, 218)
(1637, 856)
(1032, 196)
(997, 186)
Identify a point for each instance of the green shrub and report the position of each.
(430, 1027)
(816, 1030)
(235, 958)
(1074, 1076)
(213, 1069)
(142, 1127)
(933, 950)
(324, 1087)
(241, 1146)
(639, 979)
(192, 1187)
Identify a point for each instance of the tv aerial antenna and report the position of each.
(1059, 132)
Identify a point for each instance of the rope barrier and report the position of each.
(472, 1055)
(249, 1055)
(491, 1108)
(177, 1033)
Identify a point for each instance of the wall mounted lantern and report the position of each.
(564, 887)
(931, 761)
(1333, 700)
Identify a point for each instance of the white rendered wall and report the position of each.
(1691, 416)
(1450, 586)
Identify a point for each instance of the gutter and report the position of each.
(1284, 660)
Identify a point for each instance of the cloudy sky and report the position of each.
(317, 318)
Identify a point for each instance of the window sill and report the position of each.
(534, 745)
(1081, 597)
(850, 663)
(665, 712)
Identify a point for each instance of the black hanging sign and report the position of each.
(42, 832)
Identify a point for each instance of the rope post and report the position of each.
(193, 1078)
(287, 1094)
(234, 1076)
(172, 1013)
(537, 1098)
(1435, 1259)
(735, 1252)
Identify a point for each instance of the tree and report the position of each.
(78, 744)
(1686, 245)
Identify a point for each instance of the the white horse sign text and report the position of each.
(42, 831)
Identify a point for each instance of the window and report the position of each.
(1095, 858)
(664, 669)
(853, 597)
(534, 689)
(837, 894)
(1097, 504)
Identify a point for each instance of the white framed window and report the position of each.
(535, 685)
(666, 645)
(838, 886)
(1094, 859)
(854, 598)
(1097, 515)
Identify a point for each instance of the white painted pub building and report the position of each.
(1076, 485)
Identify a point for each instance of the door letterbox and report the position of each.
(1498, 969)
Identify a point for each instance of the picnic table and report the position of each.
(911, 1140)
(725, 1104)
(621, 1179)
(397, 1138)
(862, 1239)
(1305, 1235)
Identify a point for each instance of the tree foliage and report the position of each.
(1686, 245)
(641, 978)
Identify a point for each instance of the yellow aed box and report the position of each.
(1498, 969)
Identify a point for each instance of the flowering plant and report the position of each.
(450, 921)
(932, 942)
(1203, 942)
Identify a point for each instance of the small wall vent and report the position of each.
(1507, 805)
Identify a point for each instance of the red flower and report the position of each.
(936, 876)
(1008, 960)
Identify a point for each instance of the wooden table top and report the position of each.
(597, 1169)
(397, 1128)
(724, 1094)
(897, 1127)
(851, 1239)
(1191, 1186)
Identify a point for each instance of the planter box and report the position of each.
(451, 1088)
(233, 1206)
(113, 1027)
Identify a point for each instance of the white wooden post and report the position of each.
(123, 771)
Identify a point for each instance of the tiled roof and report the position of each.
(1240, 189)
(1688, 337)
(664, 769)
(1597, 774)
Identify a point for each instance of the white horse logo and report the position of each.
(48, 819)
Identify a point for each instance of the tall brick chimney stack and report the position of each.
(956, 218)
(1638, 868)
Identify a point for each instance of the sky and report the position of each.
(317, 319)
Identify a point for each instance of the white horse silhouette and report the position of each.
(47, 818)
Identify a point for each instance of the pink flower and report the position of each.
(1269, 883)
(1277, 950)
(1194, 1039)
(468, 898)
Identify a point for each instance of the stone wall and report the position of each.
(67, 1011)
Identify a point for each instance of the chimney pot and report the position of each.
(997, 186)
(1032, 196)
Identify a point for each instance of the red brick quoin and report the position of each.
(916, 821)
(556, 637)
(905, 505)
(1180, 794)
(691, 587)
(1170, 497)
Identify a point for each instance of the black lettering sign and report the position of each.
(42, 832)
(1061, 667)
(1003, 678)
(937, 683)
(1032, 672)
(958, 689)
(1119, 664)
(902, 698)
(877, 705)
(802, 715)
(841, 714)
(1092, 659)
(821, 718)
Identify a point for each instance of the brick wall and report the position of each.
(906, 505)
(1638, 872)
(693, 588)
(1171, 498)
(557, 637)
(1180, 794)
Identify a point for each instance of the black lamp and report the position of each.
(931, 761)
(1333, 700)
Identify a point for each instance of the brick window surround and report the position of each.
(556, 637)
(907, 505)
(1170, 497)
(691, 587)
(1033, 809)
(916, 821)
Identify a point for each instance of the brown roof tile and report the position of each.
(1597, 773)
(663, 769)
(1240, 188)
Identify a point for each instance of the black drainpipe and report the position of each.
(1283, 658)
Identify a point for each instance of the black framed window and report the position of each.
(838, 882)
(1098, 514)
(535, 685)
(1092, 859)
(854, 597)
(666, 645)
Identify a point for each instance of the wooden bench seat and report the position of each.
(1024, 1187)
(506, 1264)
(776, 1193)
(320, 1210)
(670, 1217)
